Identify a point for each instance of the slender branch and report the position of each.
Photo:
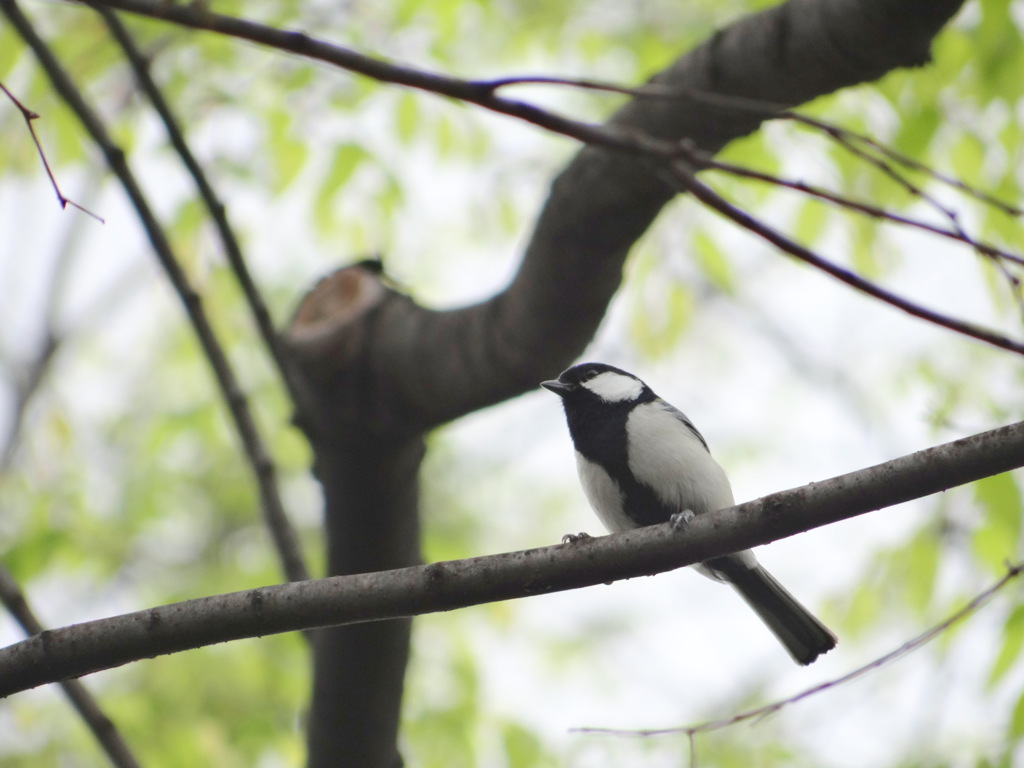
(484, 94)
(973, 606)
(848, 139)
(105, 643)
(285, 539)
(481, 93)
(853, 137)
(867, 209)
(683, 173)
(29, 116)
(214, 205)
(845, 137)
(782, 112)
(102, 727)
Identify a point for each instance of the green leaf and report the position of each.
(917, 129)
(967, 157)
(713, 262)
(662, 310)
(864, 246)
(1009, 652)
(921, 558)
(287, 153)
(347, 159)
(1017, 719)
(522, 747)
(997, 539)
(407, 117)
(862, 609)
(11, 49)
(811, 220)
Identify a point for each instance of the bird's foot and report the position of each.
(572, 538)
(680, 520)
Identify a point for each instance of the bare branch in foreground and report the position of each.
(683, 173)
(29, 116)
(867, 209)
(280, 527)
(105, 643)
(484, 93)
(847, 137)
(867, 149)
(974, 605)
(853, 138)
(102, 727)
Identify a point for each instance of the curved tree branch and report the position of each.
(91, 646)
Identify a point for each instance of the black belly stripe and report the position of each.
(601, 438)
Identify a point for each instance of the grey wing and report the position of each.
(689, 424)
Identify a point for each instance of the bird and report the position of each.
(641, 462)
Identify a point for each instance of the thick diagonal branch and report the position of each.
(372, 597)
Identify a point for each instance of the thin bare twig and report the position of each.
(756, 107)
(783, 112)
(846, 138)
(284, 536)
(996, 256)
(907, 162)
(852, 142)
(102, 727)
(683, 174)
(975, 604)
(29, 116)
(484, 94)
(214, 205)
(867, 209)
(584, 83)
(843, 136)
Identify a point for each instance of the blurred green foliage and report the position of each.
(147, 501)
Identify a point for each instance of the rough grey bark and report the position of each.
(91, 646)
(378, 371)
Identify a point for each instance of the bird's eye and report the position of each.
(588, 375)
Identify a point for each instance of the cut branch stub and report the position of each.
(333, 309)
(329, 345)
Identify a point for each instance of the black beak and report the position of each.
(560, 388)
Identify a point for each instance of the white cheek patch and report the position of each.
(604, 494)
(614, 387)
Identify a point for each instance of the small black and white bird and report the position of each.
(641, 462)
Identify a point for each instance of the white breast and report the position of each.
(667, 457)
(603, 493)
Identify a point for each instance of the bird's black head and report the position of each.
(598, 383)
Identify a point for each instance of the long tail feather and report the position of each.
(803, 635)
